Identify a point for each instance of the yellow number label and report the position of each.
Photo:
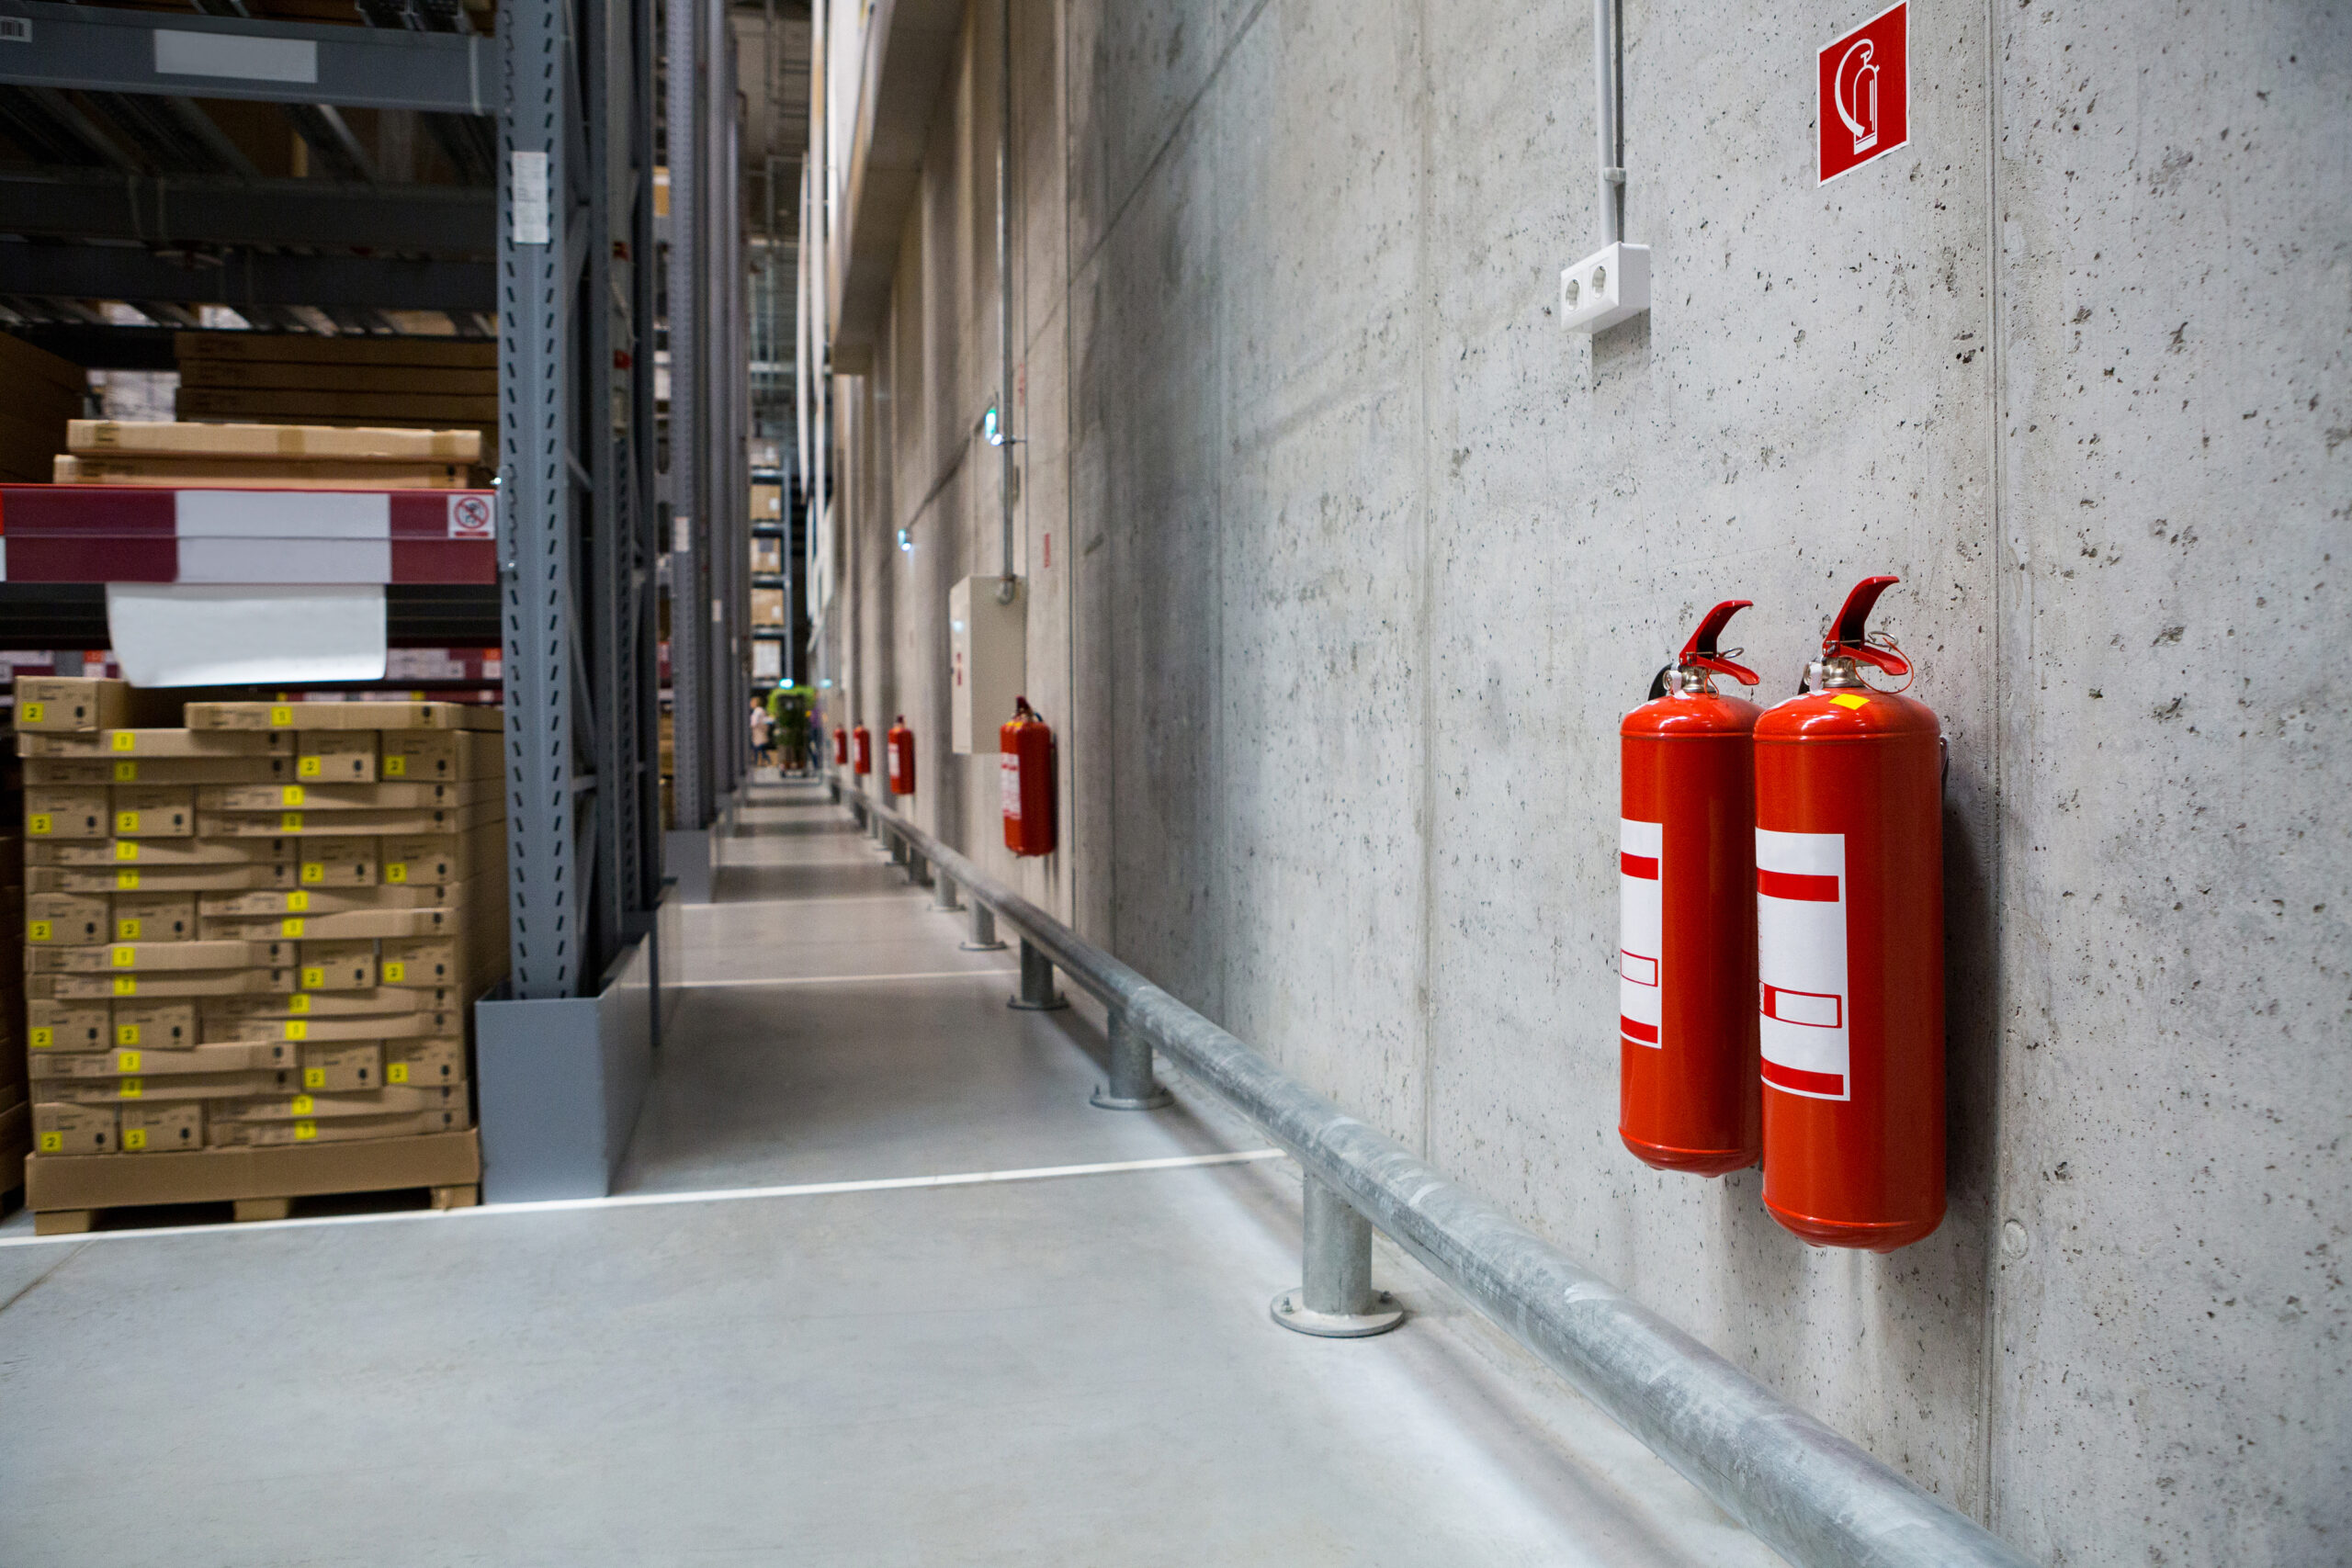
(125, 880)
(314, 978)
(126, 850)
(134, 1088)
(396, 1072)
(291, 926)
(297, 1004)
(127, 931)
(33, 712)
(314, 1078)
(308, 767)
(126, 822)
(396, 871)
(131, 1061)
(43, 1037)
(395, 972)
(123, 740)
(125, 958)
(305, 1131)
(395, 767)
(52, 1143)
(126, 985)
(290, 821)
(135, 1139)
(297, 902)
(38, 931)
(39, 824)
(291, 794)
(302, 1104)
(314, 870)
(1848, 700)
(126, 773)
(298, 1029)
(127, 1034)
(281, 716)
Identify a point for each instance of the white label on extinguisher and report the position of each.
(1641, 940)
(1801, 962)
(1008, 773)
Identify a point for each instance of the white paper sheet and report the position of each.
(198, 635)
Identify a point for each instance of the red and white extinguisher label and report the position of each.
(1801, 962)
(1008, 774)
(1640, 848)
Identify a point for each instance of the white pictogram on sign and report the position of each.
(469, 517)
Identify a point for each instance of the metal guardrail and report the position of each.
(1812, 1495)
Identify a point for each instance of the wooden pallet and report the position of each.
(68, 1192)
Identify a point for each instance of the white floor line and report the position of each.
(840, 980)
(666, 1199)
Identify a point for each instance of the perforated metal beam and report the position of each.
(204, 209)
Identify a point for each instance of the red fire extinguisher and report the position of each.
(861, 746)
(1025, 747)
(841, 747)
(1850, 948)
(1686, 961)
(900, 753)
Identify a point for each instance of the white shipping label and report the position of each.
(1008, 773)
(1801, 963)
(1640, 927)
(527, 186)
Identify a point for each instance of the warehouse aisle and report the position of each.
(1047, 1369)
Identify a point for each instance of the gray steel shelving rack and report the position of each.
(566, 102)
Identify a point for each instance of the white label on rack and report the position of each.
(527, 180)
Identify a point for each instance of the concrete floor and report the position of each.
(1057, 1369)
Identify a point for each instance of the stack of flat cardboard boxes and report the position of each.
(445, 383)
(259, 931)
(15, 1109)
(267, 456)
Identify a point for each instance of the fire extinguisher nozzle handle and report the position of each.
(1701, 652)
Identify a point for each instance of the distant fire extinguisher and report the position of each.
(1850, 948)
(900, 753)
(841, 747)
(861, 749)
(1026, 745)
(1686, 963)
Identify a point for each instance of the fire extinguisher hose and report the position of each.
(1812, 1495)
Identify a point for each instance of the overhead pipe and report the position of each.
(1811, 1494)
(1002, 434)
(1608, 57)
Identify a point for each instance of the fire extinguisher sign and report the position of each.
(1864, 104)
(1801, 963)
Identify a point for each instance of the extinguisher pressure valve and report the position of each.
(1700, 658)
(1850, 642)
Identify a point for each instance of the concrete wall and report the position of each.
(1356, 559)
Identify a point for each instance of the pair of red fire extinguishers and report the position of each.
(1781, 972)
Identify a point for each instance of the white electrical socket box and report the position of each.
(988, 652)
(1608, 286)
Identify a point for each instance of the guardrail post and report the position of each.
(1036, 993)
(1335, 1299)
(984, 936)
(900, 853)
(1131, 1087)
(917, 866)
(942, 892)
(834, 789)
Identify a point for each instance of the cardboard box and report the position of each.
(83, 704)
(337, 757)
(68, 1026)
(157, 811)
(315, 797)
(207, 744)
(408, 859)
(162, 1129)
(410, 1025)
(230, 880)
(382, 1000)
(338, 1067)
(100, 769)
(441, 756)
(62, 1128)
(269, 1134)
(335, 823)
(175, 1086)
(423, 960)
(324, 443)
(228, 1056)
(336, 965)
(321, 901)
(158, 1026)
(441, 1061)
(406, 1102)
(355, 924)
(150, 956)
(55, 1182)
(53, 813)
(154, 917)
(342, 716)
(155, 853)
(243, 981)
(67, 919)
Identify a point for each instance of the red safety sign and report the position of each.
(1864, 105)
